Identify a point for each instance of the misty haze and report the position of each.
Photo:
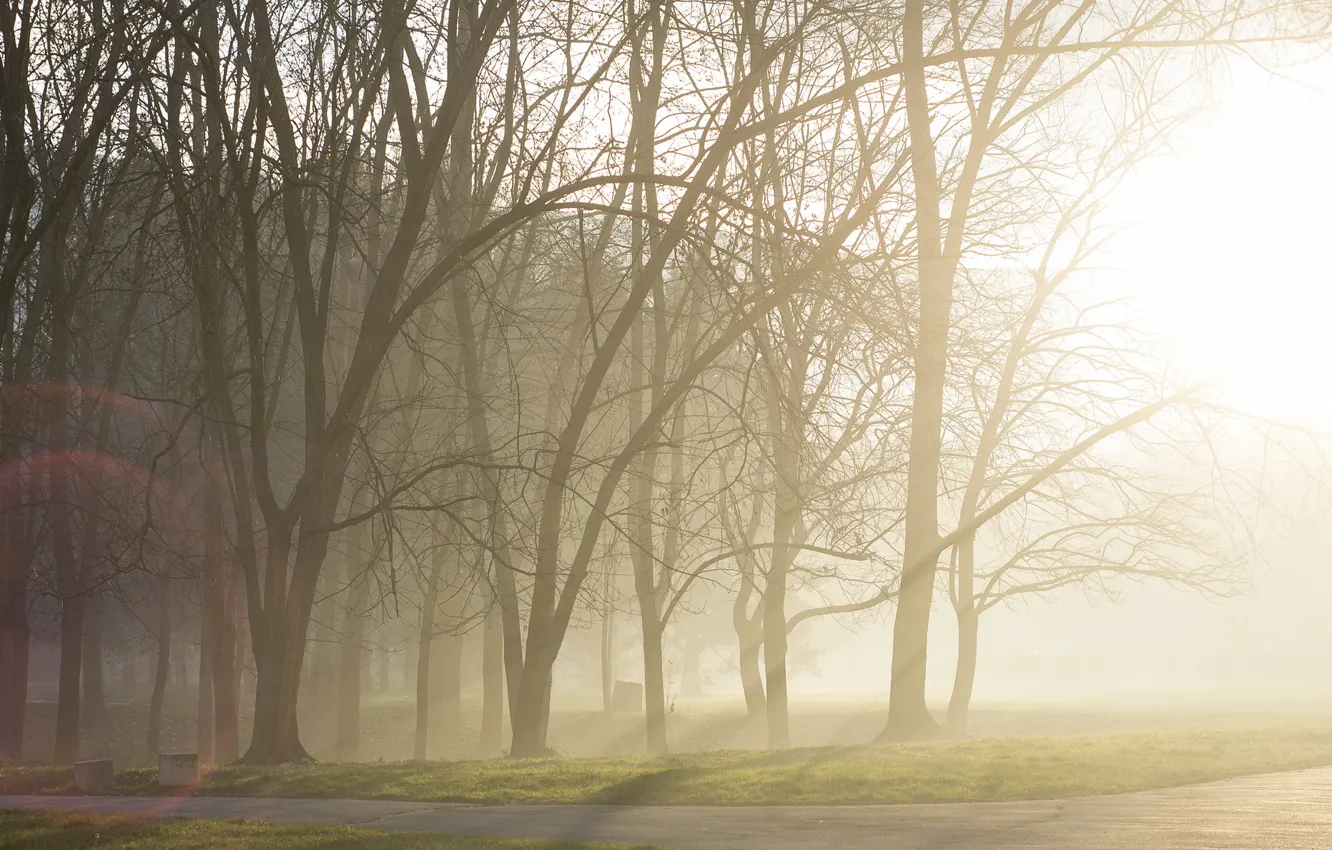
(865, 424)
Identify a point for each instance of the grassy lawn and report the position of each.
(61, 830)
(942, 771)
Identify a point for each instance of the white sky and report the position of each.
(1233, 243)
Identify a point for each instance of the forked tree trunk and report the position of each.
(275, 736)
(278, 645)
(530, 715)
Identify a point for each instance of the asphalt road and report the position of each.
(1285, 811)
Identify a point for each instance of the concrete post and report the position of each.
(175, 770)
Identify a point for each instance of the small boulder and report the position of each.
(96, 776)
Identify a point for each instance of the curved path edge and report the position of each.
(1291, 811)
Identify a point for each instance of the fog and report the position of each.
(1150, 649)
(558, 378)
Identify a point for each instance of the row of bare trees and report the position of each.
(465, 311)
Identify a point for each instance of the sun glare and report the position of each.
(1230, 243)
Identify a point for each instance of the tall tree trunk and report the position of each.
(351, 660)
(607, 642)
(421, 740)
(239, 626)
(786, 425)
(94, 681)
(446, 678)
(424, 653)
(163, 669)
(320, 691)
(224, 674)
(15, 635)
(908, 716)
(14, 649)
(128, 681)
(643, 540)
(654, 687)
(14, 638)
(410, 663)
(501, 555)
(69, 579)
(691, 679)
(67, 705)
(205, 725)
(749, 627)
(72, 604)
(968, 622)
(751, 676)
(491, 742)
(959, 705)
(774, 660)
(446, 687)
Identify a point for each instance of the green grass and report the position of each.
(942, 771)
(59, 830)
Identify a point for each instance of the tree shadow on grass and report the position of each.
(677, 784)
(662, 786)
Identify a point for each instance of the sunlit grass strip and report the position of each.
(59, 830)
(934, 772)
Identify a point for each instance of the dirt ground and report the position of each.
(388, 724)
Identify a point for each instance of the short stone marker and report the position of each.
(94, 775)
(175, 770)
(627, 698)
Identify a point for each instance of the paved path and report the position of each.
(1280, 811)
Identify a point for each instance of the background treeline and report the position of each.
(338, 331)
